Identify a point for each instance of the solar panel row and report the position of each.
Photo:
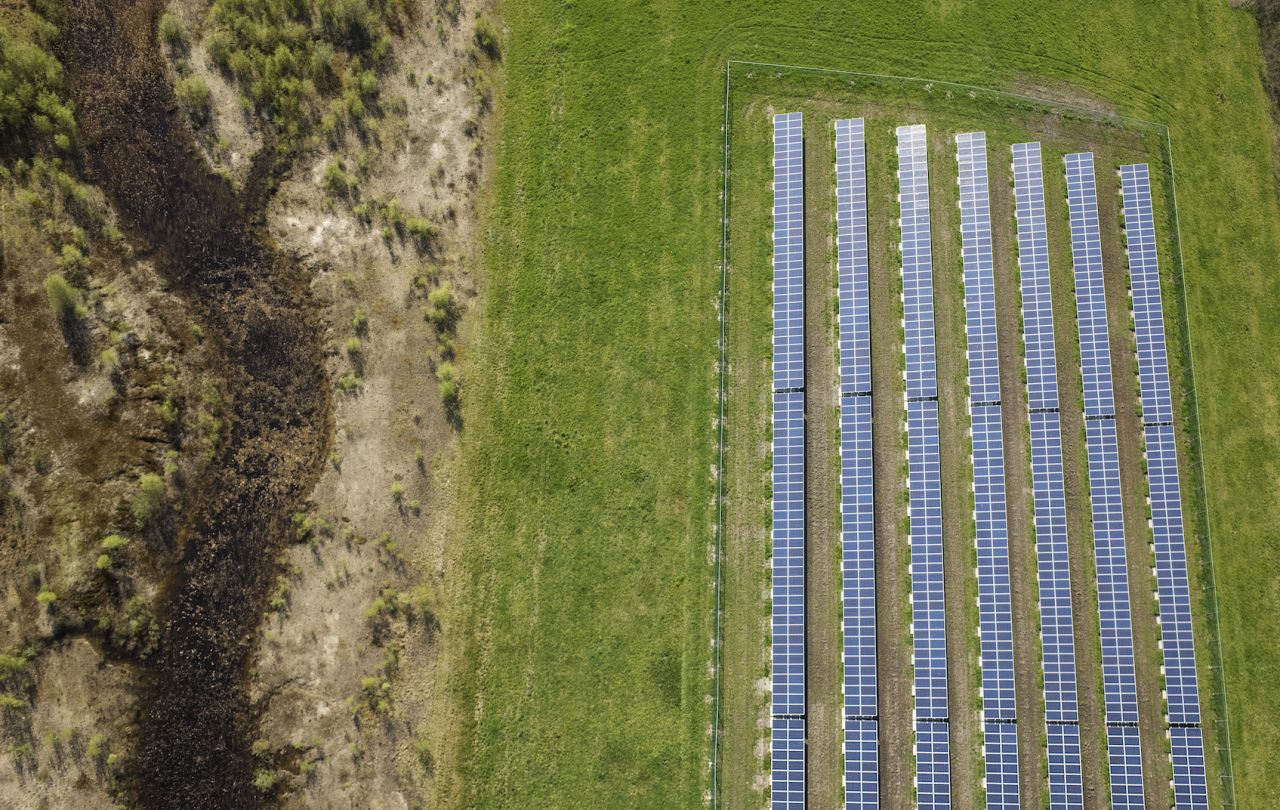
(1119, 682)
(786, 776)
(788, 738)
(917, 262)
(788, 252)
(995, 609)
(857, 534)
(1172, 581)
(851, 257)
(1053, 571)
(928, 627)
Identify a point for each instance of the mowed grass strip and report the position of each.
(578, 632)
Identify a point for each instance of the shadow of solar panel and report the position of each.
(787, 748)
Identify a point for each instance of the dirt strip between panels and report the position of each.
(823, 663)
(1084, 583)
(959, 555)
(1023, 582)
(893, 639)
(1156, 766)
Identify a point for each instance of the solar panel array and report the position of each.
(1116, 627)
(857, 533)
(928, 625)
(788, 710)
(1172, 581)
(995, 609)
(1053, 570)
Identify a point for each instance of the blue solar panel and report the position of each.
(917, 262)
(788, 554)
(928, 624)
(786, 780)
(1124, 760)
(1054, 572)
(1120, 688)
(858, 565)
(1065, 787)
(788, 252)
(1033, 264)
(851, 257)
(1091, 299)
(1000, 745)
(857, 505)
(1190, 791)
(1148, 313)
(861, 773)
(933, 766)
(1173, 586)
(1048, 486)
(979, 278)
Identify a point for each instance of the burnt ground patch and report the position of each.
(196, 719)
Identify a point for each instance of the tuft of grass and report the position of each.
(194, 94)
(147, 499)
(172, 31)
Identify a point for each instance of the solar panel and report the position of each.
(928, 626)
(788, 742)
(917, 262)
(1053, 570)
(1120, 691)
(1119, 685)
(788, 554)
(1033, 264)
(858, 563)
(1144, 274)
(786, 779)
(1190, 791)
(979, 264)
(857, 506)
(788, 252)
(995, 609)
(862, 776)
(1091, 299)
(1124, 760)
(1065, 787)
(1000, 747)
(933, 766)
(851, 257)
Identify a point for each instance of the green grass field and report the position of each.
(581, 645)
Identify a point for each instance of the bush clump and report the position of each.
(147, 500)
(64, 299)
(193, 94)
(32, 106)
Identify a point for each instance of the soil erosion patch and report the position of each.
(196, 720)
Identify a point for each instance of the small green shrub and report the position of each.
(114, 541)
(103, 562)
(147, 500)
(193, 94)
(486, 37)
(46, 597)
(335, 180)
(64, 298)
(172, 31)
